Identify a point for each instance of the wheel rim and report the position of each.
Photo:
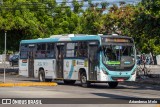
(84, 79)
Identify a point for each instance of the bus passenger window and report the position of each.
(41, 51)
(24, 51)
(82, 49)
(23, 54)
(50, 50)
(71, 50)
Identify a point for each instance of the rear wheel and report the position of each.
(69, 82)
(41, 76)
(84, 81)
(113, 84)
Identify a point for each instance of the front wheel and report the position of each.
(84, 81)
(113, 84)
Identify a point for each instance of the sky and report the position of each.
(109, 1)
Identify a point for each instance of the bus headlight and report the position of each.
(104, 71)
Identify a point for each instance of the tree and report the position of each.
(146, 26)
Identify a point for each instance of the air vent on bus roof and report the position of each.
(70, 35)
(100, 34)
(53, 36)
(115, 34)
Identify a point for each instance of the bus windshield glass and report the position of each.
(118, 55)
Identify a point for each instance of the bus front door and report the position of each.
(93, 62)
(59, 61)
(31, 62)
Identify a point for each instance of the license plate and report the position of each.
(120, 79)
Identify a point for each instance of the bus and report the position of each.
(85, 58)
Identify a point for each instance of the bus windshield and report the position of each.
(118, 55)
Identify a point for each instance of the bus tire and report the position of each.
(69, 82)
(41, 76)
(84, 81)
(113, 84)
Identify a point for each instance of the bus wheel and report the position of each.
(41, 76)
(84, 81)
(113, 84)
(69, 82)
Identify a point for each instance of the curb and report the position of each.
(26, 84)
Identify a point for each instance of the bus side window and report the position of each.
(24, 51)
(41, 50)
(71, 50)
(82, 49)
(50, 50)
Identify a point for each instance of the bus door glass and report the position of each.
(31, 54)
(93, 60)
(59, 59)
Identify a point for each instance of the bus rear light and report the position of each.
(24, 61)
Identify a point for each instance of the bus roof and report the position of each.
(62, 38)
(72, 38)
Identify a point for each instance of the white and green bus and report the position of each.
(86, 58)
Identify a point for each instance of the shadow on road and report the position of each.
(113, 96)
(125, 85)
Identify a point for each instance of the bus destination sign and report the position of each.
(116, 40)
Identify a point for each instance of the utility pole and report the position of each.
(5, 56)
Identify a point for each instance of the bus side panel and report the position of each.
(23, 67)
(101, 76)
(68, 69)
(72, 67)
(133, 77)
(82, 64)
(48, 65)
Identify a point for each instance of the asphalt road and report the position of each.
(124, 90)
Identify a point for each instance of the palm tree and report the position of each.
(113, 8)
(121, 3)
(104, 5)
